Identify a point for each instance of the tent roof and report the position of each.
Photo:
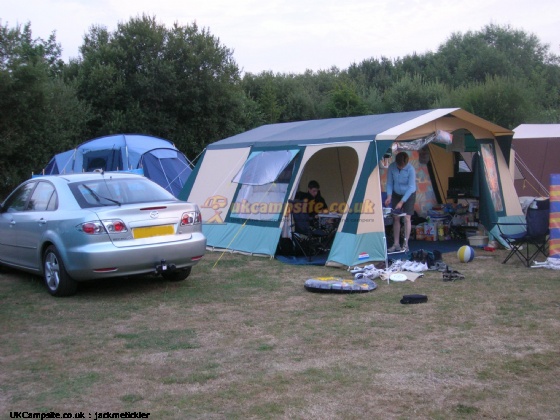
(335, 130)
(536, 131)
(137, 142)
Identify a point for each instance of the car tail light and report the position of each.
(92, 228)
(105, 226)
(191, 218)
(115, 226)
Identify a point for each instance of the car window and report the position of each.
(18, 200)
(43, 198)
(110, 192)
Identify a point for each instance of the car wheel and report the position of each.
(176, 275)
(57, 280)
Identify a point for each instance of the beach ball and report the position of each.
(465, 254)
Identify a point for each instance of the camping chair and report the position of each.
(527, 240)
(306, 237)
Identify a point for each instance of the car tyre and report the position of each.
(176, 275)
(57, 280)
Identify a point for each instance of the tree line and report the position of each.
(180, 83)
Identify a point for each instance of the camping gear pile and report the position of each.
(409, 270)
(447, 222)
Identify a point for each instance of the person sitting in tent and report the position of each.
(401, 196)
(314, 203)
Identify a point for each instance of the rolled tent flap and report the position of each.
(264, 167)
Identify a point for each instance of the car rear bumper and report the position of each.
(110, 261)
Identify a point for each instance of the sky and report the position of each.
(292, 36)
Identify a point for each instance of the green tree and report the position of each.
(345, 102)
(178, 83)
(268, 101)
(39, 114)
(493, 51)
(412, 93)
(380, 74)
(291, 97)
(505, 101)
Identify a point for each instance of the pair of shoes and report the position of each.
(415, 267)
(419, 267)
(395, 248)
(372, 274)
(396, 265)
(452, 275)
(407, 265)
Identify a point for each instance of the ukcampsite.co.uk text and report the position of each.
(245, 207)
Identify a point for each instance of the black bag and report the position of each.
(414, 299)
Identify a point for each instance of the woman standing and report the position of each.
(401, 196)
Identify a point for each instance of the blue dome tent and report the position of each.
(155, 158)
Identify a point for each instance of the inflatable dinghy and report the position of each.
(339, 285)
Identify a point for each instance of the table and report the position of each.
(329, 220)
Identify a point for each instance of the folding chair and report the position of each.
(308, 239)
(527, 240)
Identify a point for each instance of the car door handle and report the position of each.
(42, 221)
(13, 222)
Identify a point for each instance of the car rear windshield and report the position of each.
(111, 192)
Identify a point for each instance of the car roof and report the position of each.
(90, 176)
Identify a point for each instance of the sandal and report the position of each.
(440, 266)
(394, 248)
(452, 275)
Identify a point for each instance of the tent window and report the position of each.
(108, 160)
(463, 162)
(97, 163)
(264, 178)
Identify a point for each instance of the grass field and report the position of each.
(242, 339)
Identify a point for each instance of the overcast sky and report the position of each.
(291, 36)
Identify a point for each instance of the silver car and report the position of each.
(71, 228)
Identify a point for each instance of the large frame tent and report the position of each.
(243, 183)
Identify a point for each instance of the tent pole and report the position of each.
(384, 231)
(127, 163)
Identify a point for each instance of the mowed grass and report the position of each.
(241, 338)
